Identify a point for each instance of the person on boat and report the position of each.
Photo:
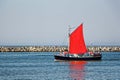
(61, 53)
(91, 53)
(65, 53)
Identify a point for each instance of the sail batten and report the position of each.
(76, 41)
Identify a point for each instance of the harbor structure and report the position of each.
(55, 48)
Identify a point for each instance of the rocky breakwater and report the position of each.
(55, 48)
(32, 49)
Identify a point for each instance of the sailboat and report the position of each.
(77, 49)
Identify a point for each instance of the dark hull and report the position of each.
(58, 57)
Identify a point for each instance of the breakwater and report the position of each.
(55, 48)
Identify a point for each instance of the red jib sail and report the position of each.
(77, 44)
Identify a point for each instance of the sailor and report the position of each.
(65, 53)
(61, 54)
(91, 53)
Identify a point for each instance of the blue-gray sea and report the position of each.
(41, 66)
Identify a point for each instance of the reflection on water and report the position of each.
(77, 70)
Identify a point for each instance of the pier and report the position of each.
(55, 48)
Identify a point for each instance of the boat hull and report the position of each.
(87, 58)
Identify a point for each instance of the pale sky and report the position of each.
(45, 22)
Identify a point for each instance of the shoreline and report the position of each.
(55, 48)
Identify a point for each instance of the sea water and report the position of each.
(41, 66)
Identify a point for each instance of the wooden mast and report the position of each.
(68, 37)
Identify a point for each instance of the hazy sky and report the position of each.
(45, 22)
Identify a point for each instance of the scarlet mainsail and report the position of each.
(76, 41)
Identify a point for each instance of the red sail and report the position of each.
(77, 44)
